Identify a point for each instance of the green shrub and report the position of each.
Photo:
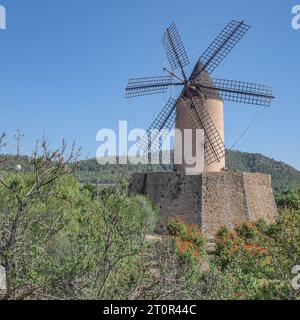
(68, 245)
(190, 243)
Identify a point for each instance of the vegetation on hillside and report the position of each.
(59, 239)
(284, 177)
(63, 239)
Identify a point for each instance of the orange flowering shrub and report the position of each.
(188, 239)
(247, 243)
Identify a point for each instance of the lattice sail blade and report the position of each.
(200, 119)
(159, 128)
(222, 45)
(238, 91)
(174, 48)
(146, 86)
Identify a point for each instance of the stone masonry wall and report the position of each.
(259, 196)
(210, 200)
(173, 193)
(223, 201)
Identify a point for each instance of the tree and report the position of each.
(288, 199)
(59, 241)
(19, 195)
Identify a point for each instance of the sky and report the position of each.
(64, 65)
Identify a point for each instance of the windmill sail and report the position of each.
(146, 86)
(159, 128)
(174, 48)
(237, 91)
(222, 45)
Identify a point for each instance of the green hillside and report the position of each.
(89, 171)
(284, 176)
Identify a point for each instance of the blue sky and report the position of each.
(64, 65)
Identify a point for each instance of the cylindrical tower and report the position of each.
(183, 121)
(215, 110)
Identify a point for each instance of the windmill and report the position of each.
(200, 104)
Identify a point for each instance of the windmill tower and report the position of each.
(212, 119)
(200, 104)
(211, 197)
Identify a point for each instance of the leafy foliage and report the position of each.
(70, 246)
(62, 239)
(189, 242)
(254, 261)
(73, 244)
(288, 199)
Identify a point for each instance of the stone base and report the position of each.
(210, 200)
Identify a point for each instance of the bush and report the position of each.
(254, 260)
(68, 245)
(246, 244)
(190, 243)
(288, 199)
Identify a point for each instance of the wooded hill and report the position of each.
(284, 176)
